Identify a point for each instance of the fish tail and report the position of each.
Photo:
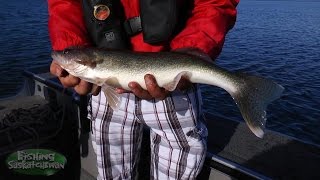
(253, 98)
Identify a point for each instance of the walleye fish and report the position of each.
(111, 69)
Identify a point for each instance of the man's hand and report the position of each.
(153, 90)
(67, 80)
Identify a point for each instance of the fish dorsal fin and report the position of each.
(113, 98)
(171, 86)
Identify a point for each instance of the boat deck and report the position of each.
(276, 155)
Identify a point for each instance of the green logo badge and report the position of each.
(36, 162)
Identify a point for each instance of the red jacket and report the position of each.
(205, 29)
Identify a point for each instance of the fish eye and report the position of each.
(66, 51)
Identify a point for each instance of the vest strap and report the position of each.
(132, 26)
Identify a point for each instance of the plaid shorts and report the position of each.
(177, 135)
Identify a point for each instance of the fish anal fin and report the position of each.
(171, 86)
(113, 98)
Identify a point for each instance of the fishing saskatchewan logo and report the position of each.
(36, 162)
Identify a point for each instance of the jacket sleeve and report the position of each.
(207, 26)
(66, 24)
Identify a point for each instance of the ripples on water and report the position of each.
(279, 40)
(24, 41)
(276, 39)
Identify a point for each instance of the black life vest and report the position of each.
(157, 21)
(107, 33)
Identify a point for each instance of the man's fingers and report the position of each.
(153, 88)
(69, 81)
(55, 69)
(83, 87)
(65, 78)
(139, 91)
(121, 91)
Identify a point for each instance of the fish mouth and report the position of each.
(59, 57)
(68, 63)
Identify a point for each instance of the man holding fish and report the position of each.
(118, 109)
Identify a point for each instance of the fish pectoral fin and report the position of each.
(171, 86)
(113, 98)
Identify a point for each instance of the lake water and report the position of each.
(276, 39)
